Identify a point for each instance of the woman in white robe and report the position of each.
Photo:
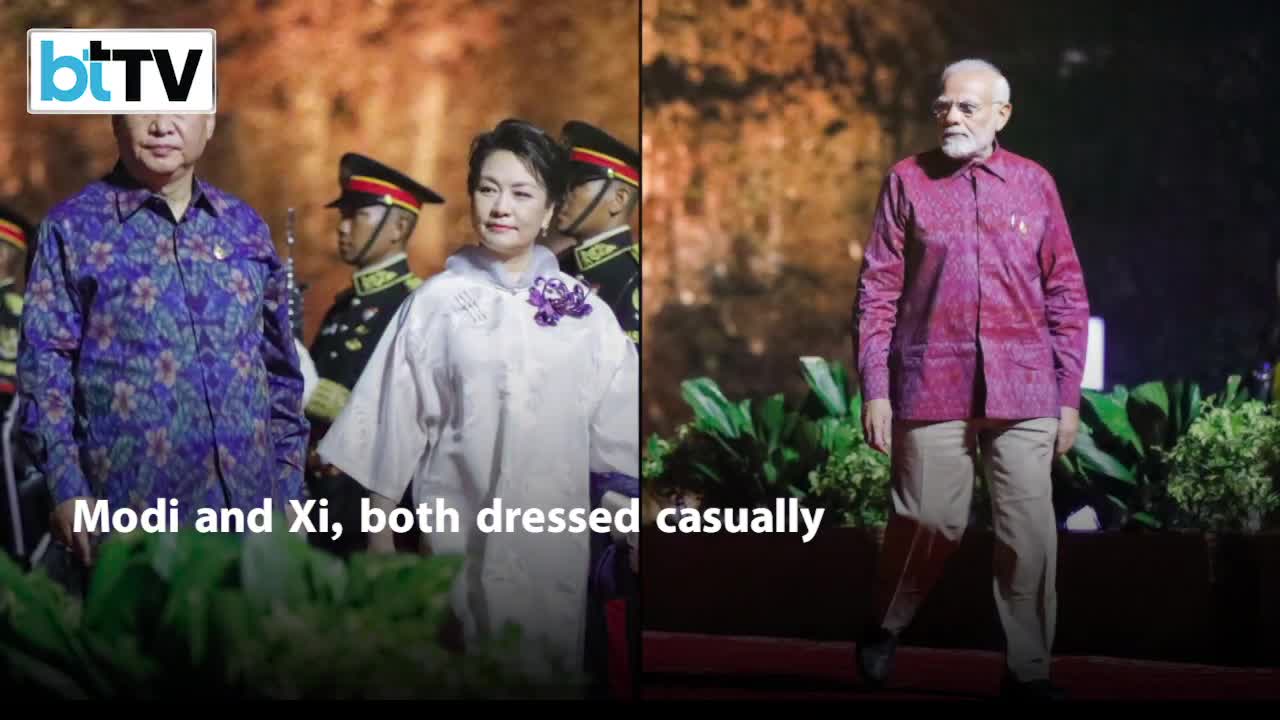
(477, 393)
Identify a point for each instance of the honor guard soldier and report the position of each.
(379, 209)
(604, 190)
(594, 243)
(15, 232)
(24, 501)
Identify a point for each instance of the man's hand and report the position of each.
(877, 424)
(1068, 426)
(63, 522)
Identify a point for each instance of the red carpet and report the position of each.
(689, 666)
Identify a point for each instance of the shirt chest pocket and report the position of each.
(243, 275)
(1020, 223)
(236, 290)
(1018, 231)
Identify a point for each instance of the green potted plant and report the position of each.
(260, 616)
(1118, 465)
(1222, 478)
(749, 453)
(1223, 470)
(1151, 562)
(1117, 587)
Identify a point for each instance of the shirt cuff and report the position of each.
(290, 483)
(875, 384)
(1069, 394)
(66, 488)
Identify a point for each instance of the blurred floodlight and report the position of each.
(1093, 361)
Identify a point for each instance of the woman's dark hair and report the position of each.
(542, 154)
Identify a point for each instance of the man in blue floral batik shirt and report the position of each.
(156, 359)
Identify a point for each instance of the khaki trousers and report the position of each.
(934, 468)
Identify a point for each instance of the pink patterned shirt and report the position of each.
(971, 300)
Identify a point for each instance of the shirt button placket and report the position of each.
(980, 242)
(190, 266)
(978, 250)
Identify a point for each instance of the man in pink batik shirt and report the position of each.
(972, 325)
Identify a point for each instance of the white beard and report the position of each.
(964, 147)
(959, 148)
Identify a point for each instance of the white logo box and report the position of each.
(81, 83)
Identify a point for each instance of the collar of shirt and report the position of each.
(479, 264)
(386, 273)
(131, 195)
(603, 236)
(996, 164)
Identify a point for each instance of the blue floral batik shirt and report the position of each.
(156, 359)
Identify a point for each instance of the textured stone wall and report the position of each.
(768, 127)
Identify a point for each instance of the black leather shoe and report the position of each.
(1040, 690)
(875, 656)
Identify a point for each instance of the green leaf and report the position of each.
(1065, 463)
(770, 475)
(712, 410)
(272, 569)
(203, 564)
(708, 472)
(817, 373)
(1120, 394)
(1120, 504)
(130, 674)
(237, 627)
(38, 620)
(1113, 417)
(1147, 519)
(1096, 460)
(1234, 395)
(39, 674)
(770, 421)
(741, 416)
(163, 550)
(790, 456)
(328, 578)
(1177, 412)
(112, 595)
(1230, 393)
(1148, 411)
(1193, 406)
(1152, 393)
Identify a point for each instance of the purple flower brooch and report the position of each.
(555, 300)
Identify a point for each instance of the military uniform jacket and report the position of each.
(610, 264)
(350, 332)
(10, 324)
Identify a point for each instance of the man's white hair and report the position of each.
(1001, 90)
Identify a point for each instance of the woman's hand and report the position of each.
(382, 542)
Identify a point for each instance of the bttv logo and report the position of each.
(121, 71)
